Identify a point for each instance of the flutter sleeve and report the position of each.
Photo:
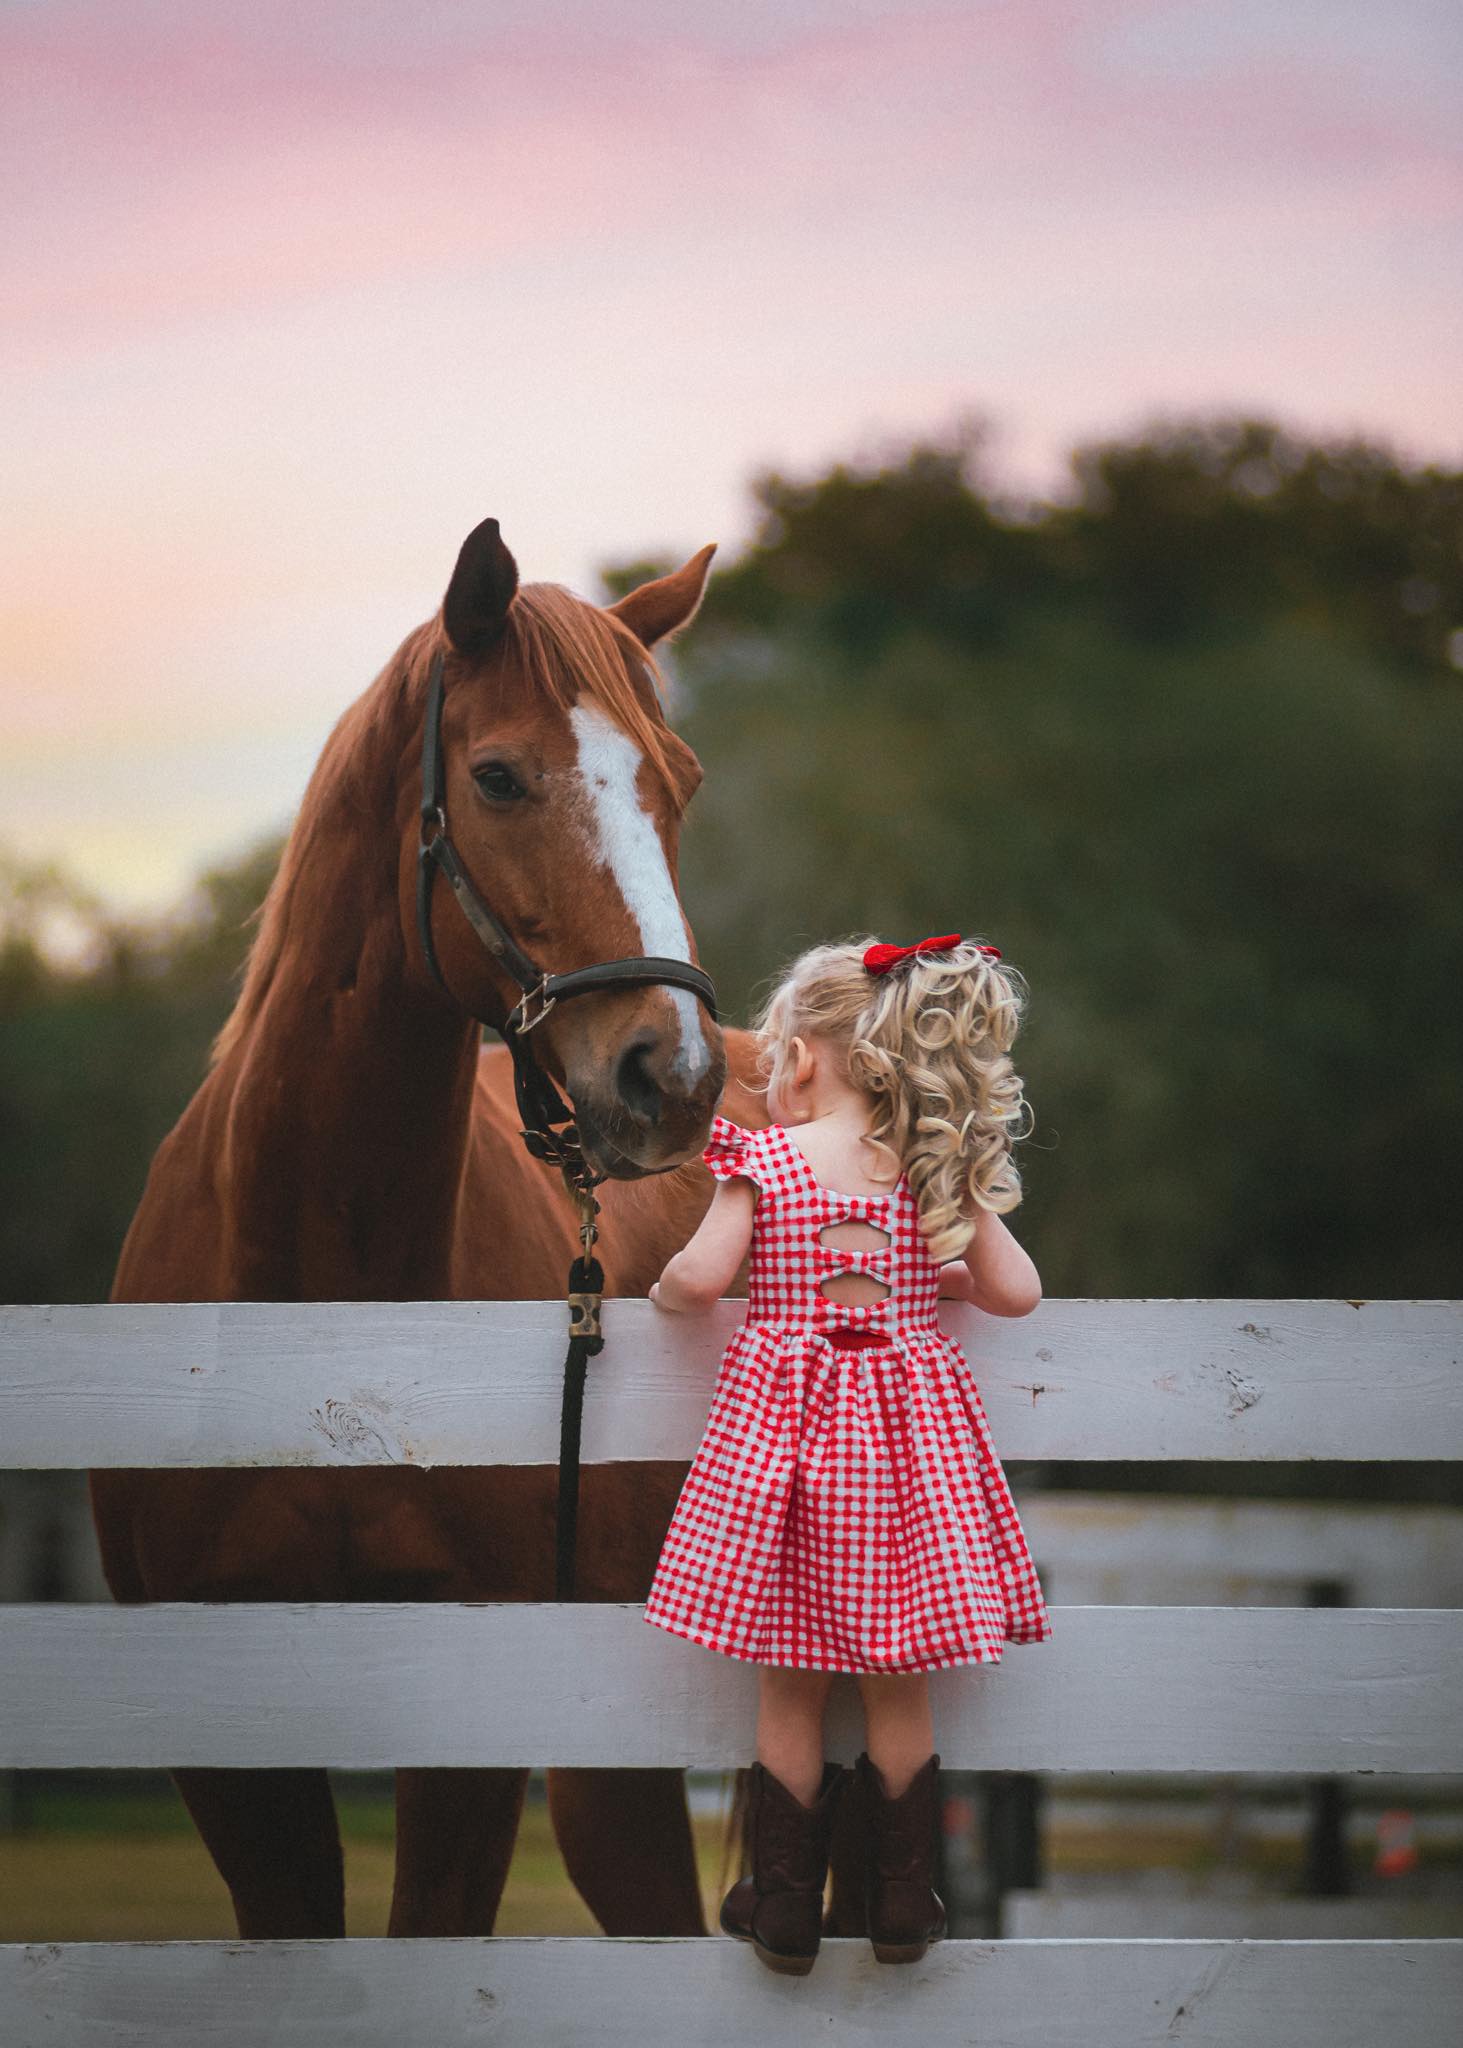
(731, 1153)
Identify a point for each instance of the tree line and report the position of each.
(1185, 742)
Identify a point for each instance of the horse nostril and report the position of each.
(639, 1090)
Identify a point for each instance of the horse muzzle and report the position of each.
(649, 1107)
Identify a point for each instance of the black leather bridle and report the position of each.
(549, 1130)
(540, 1104)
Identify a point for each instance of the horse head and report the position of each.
(565, 789)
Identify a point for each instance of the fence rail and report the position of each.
(476, 1383)
(364, 1687)
(708, 1994)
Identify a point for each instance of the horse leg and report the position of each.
(454, 1841)
(626, 1840)
(274, 1837)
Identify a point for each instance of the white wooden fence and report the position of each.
(1189, 1689)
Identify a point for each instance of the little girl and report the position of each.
(846, 1510)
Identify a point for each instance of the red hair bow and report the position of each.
(880, 959)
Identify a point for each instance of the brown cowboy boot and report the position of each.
(779, 1908)
(906, 1913)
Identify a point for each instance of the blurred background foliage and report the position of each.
(1187, 744)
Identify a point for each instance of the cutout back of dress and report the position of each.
(792, 1262)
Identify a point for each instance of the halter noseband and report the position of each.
(540, 1104)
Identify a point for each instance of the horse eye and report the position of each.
(496, 780)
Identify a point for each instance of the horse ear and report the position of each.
(670, 603)
(482, 588)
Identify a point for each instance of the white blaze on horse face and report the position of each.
(626, 841)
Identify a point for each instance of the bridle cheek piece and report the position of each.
(549, 1130)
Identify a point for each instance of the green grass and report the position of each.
(123, 1863)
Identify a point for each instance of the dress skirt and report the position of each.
(846, 1511)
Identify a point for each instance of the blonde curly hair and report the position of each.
(930, 1044)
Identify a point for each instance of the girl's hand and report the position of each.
(957, 1282)
(682, 1290)
(1006, 1281)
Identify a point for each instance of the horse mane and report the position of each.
(563, 646)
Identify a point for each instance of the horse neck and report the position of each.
(349, 1095)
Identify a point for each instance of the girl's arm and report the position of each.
(703, 1271)
(1004, 1282)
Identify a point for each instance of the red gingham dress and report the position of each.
(845, 1510)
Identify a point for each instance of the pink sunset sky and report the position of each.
(295, 294)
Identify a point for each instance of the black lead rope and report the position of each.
(586, 1341)
(549, 1130)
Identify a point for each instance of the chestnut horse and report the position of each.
(353, 1140)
